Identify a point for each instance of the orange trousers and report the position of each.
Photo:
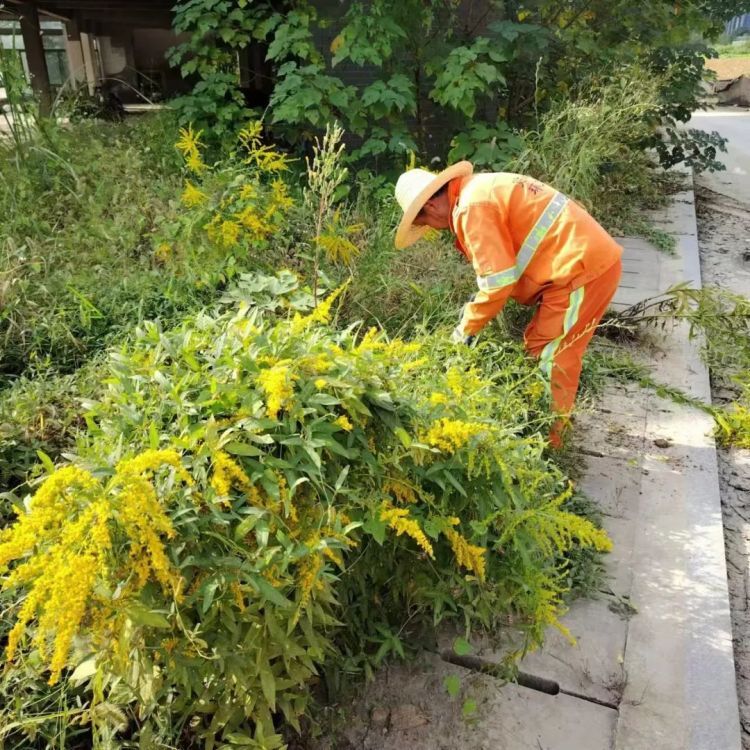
(560, 331)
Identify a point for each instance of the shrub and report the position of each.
(584, 138)
(259, 498)
(590, 145)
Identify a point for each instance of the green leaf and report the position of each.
(314, 455)
(235, 738)
(245, 526)
(268, 591)
(342, 477)
(148, 618)
(209, 591)
(376, 528)
(462, 647)
(47, 462)
(84, 669)
(242, 449)
(153, 436)
(452, 684)
(268, 685)
(469, 708)
(403, 436)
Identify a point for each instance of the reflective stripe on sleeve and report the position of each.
(539, 232)
(571, 318)
(497, 280)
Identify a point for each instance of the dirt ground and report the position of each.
(730, 67)
(724, 236)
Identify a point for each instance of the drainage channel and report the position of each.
(524, 679)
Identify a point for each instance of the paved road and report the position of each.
(733, 124)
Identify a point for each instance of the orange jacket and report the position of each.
(492, 217)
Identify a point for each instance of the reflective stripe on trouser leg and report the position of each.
(571, 318)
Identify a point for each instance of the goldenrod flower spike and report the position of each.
(399, 520)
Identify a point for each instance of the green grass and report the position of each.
(79, 208)
(727, 51)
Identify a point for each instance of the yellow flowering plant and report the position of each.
(237, 203)
(262, 498)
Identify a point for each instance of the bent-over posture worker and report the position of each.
(527, 241)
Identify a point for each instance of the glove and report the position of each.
(459, 337)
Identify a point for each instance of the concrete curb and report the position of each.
(681, 688)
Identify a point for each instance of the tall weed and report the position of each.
(76, 262)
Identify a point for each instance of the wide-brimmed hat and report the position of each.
(413, 189)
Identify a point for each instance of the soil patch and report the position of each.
(731, 67)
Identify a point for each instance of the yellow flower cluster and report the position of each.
(163, 252)
(436, 399)
(309, 571)
(62, 578)
(451, 434)
(398, 349)
(227, 473)
(143, 517)
(237, 595)
(321, 313)
(263, 157)
(277, 383)
(400, 490)
(344, 423)
(151, 460)
(189, 145)
(49, 508)
(399, 520)
(280, 198)
(254, 222)
(248, 191)
(247, 210)
(549, 605)
(284, 498)
(338, 249)
(534, 390)
(191, 196)
(467, 555)
(229, 233)
(464, 382)
(68, 530)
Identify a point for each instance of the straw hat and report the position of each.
(413, 189)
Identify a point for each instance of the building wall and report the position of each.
(150, 47)
(53, 40)
(739, 25)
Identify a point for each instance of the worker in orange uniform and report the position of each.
(527, 241)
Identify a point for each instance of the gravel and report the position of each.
(724, 237)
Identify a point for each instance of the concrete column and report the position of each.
(88, 54)
(75, 53)
(32, 42)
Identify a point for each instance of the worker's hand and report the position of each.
(458, 337)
